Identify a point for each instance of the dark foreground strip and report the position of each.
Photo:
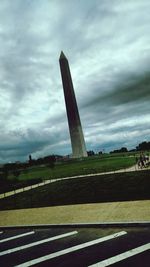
(81, 225)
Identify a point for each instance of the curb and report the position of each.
(81, 225)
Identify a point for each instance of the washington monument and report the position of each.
(75, 128)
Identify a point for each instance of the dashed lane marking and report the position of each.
(71, 249)
(1, 232)
(37, 243)
(122, 256)
(16, 236)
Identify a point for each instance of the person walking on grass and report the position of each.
(142, 160)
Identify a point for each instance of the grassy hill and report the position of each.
(36, 174)
(77, 167)
(95, 189)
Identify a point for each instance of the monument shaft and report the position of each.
(75, 128)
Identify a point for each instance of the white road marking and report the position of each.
(16, 236)
(36, 243)
(71, 249)
(122, 256)
(1, 232)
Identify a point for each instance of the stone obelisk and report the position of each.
(75, 128)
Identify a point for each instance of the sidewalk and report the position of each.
(128, 211)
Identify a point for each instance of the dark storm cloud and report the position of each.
(22, 62)
(21, 143)
(130, 90)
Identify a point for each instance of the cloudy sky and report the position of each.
(107, 43)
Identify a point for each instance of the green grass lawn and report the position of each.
(72, 168)
(96, 164)
(95, 189)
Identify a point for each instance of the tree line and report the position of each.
(144, 146)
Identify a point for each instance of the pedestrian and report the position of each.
(142, 159)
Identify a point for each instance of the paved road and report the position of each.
(75, 246)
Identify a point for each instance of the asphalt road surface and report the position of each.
(75, 246)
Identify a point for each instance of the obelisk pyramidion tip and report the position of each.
(62, 55)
